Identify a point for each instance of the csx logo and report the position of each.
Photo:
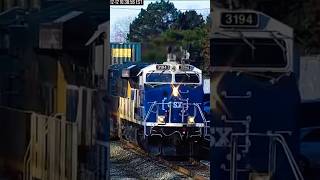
(220, 136)
(177, 104)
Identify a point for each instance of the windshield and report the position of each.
(187, 78)
(158, 77)
(238, 53)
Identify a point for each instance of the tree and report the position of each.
(194, 40)
(153, 21)
(161, 25)
(188, 20)
(120, 29)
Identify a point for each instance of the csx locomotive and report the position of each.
(158, 106)
(255, 97)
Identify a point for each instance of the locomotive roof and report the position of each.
(127, 65)
(172, 67)
(134, 67)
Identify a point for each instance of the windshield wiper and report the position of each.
(162, 72)
(246, 41)
(187, 74)
(242, 37)
(152, 85)
(282, 47)
(278, 42)
(151, 73)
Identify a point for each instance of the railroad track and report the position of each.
(191, 168)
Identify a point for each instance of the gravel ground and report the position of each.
(129, 165)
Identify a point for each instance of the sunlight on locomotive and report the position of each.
(161, 120)
(215, 97)
(175, 91)
(191, 120)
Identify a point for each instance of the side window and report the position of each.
(141, 80)
(121, 87)
(117, 87)
(137, 98)
(133, 94)
(141, 94)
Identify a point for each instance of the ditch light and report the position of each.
(161, 120)
(191, 120)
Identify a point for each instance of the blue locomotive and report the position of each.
(254, 99)
(159, 106)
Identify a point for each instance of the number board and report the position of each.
(186, 68)
(163, 67)
(239, 19)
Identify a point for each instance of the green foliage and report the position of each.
(161, 25)
(188, 20)
(153, 21)
(154, 53)
(195, 40)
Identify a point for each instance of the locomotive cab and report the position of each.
(174, 92)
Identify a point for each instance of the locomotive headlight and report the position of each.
(191, 119)
(175, 91)
(161, 120)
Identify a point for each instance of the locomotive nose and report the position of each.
(165, 94)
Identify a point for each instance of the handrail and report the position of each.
(273, 137)
(145, 119)
(290, 157)
(203, 118)
(233, 159)
(26, 160)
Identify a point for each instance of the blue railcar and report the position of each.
(254, 99)
(159, 106)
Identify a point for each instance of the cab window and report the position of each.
(158, 77)
(187, 78)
